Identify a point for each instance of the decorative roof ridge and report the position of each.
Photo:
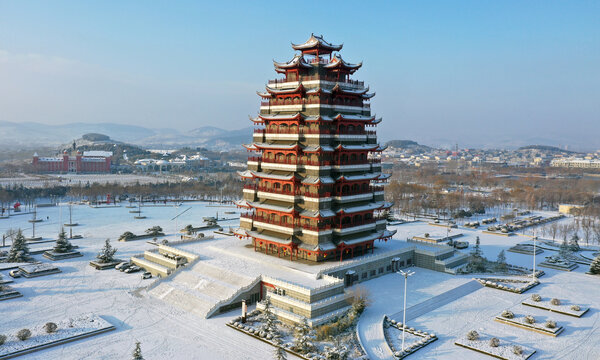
(316, 41)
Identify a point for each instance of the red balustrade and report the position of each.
(316, 227)
(278, 191)
(353, 224)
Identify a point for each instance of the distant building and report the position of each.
(76, 162)
(575, 163)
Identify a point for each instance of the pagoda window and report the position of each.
(357, 219)
(355, 188)
(344, 158)
(368, 216)
(350, 129)
(346, 220)
(363, 157)
(276, 186)
(287, 187)
(345, 189)
(294, 128)
(365, 187)
(342, 129)
(353, 158)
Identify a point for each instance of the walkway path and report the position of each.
(370, 325)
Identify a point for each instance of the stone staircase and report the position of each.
(198, 288)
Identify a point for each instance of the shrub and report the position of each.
(24, 334)
(536, 297)
(2, 339)
(50, 327)
(517, 350)
(529, 319)
(550, 324)
(575, 308)
(555, 301)
(472, 335)
(508, 314)
(494, 342)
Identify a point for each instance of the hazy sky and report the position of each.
(472, 72)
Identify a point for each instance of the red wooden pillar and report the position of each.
(352, 252)
(278, 251)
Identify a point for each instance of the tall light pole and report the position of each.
(406, 275)
(534, 248)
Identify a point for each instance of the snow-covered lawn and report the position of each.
(167, 332)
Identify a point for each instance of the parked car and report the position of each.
(146, 275)
(133, 269)
(15, 273)
(120, 265)
(125, 267)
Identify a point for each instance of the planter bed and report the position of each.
(11, 266)
(559, 266)
(68, 330)
(140, 237)
(539, 327)
(40, 269)
(503, 351)
(564, 309)
(54, 256)
(249, 331)
(9, 293)
(104, 266)
(520, 286)
(451, 226)
(525, 249)
(424, 338)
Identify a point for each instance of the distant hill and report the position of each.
(408, 145)
(30, 135)
(546, 148)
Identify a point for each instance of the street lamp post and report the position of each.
(406, 274)
(534, 248)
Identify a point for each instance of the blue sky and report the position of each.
(472, 72)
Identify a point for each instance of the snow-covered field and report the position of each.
(166, 332)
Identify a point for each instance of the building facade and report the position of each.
(314, 181)
(77, 162)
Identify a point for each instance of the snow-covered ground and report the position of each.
(166, 331)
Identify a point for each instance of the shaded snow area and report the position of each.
(167, 330)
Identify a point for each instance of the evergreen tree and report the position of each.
(303, 341)
(19, 251)
(137, 353)
(62, 244)
(564, 249)
(501, 261)
(336, 352)
(107, 253)
(595, 266)
(574, 243)
(269, 325)
(279, 353)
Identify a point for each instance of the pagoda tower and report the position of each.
(314, 182)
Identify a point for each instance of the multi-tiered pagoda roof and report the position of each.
(314, 180)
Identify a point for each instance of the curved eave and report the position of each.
(357, 147)
(339, 63)
(316, 42)
(273, 91)
(341, 90)
(318, 118)
(242, 204)
(262, 146)
(296, 116)
(297, 61)
(355, 118)
(250, 147)
(357, 177)
(368, 96)
(318, 91)
(265, 95)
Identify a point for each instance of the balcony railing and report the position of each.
(290, 161)
(355, 223)
(279, 191)
(323, 78)
(316, 227)
(314, 101)
(318, 195)
(292, 131)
